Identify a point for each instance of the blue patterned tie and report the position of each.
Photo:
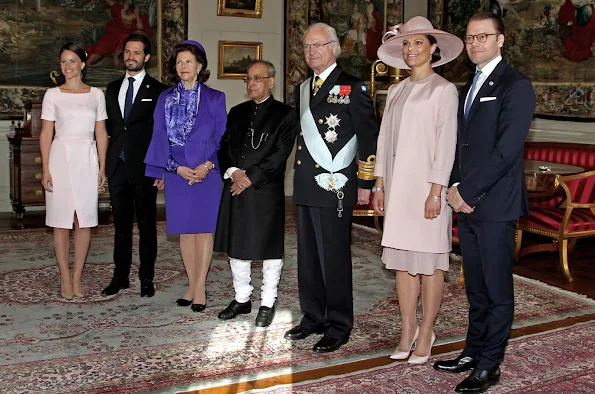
(471, 91)
(127, 107)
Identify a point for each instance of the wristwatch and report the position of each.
(377, 189)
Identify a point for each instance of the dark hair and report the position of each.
(139, 37)
(200, 56)
(496, 20)
(80, 52)
(436, 55)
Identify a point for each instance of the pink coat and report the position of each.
(416, 148)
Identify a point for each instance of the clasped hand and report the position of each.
(193, 176)
(455, 200)
(240, 182)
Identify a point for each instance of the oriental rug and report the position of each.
(559, 361)
(129, 344)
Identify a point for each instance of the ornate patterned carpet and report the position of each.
(128, 344)
(558, 361)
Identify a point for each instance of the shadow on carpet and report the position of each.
(128, 344)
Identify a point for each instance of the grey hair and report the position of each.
(332, 33)
(270, 67)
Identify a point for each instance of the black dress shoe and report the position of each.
(235, 308)
(298, 332)
(265, 316)
(115, 286)
(183, 302)
(479, 381)
(146, 288)
(459, 364)
(328, 344)
(198, 307)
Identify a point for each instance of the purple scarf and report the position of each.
(181, 107)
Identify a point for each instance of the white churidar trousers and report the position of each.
(271, 273)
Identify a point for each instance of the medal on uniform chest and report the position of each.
(332, 95)
(332, 122)
(344, 91)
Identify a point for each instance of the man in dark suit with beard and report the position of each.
(337, 123)
(495, 113)
(130, 103)
(251, 223)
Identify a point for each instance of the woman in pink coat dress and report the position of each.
(414, 158)
(73, 163)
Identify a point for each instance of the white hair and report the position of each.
(332, 33)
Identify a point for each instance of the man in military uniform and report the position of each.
(337, 123)
(254, 150)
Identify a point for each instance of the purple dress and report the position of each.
(189, 124)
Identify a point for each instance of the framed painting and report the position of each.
(545, 40)
(360, 25)
(32, 32)
(244, 8)
(235, 57)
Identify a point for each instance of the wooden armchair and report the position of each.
(565, 224)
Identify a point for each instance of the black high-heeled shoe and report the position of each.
(199, 307)
(183, 302)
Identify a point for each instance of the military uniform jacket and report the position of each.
(356, 117)
(250, 226)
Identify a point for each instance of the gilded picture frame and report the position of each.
(169, 19)
(245, 8)
(235, 57)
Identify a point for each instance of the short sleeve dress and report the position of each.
(73, 161)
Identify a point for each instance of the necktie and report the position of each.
(317, 84)
(127, 107)
(471, 91)
(128, 100)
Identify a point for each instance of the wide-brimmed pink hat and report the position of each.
(391, 50)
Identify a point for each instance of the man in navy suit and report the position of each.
(495, 112)
(130, 102)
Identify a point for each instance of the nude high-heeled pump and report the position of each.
(420, 360)
(398, 355)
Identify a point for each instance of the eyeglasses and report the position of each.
(481, 38)
(316, 46)
(257, 79)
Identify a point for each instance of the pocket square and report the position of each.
(483, 99)
(152, 99)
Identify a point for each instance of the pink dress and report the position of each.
(416, 147)
(73, 162)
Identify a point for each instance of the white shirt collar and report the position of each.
(262, 101)
(324, 75)
(489, 68)
(138, 77)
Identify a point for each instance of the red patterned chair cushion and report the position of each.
(580, 155)
(455, 227)
(556, 152)
(550, 219)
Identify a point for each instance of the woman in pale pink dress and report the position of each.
(73, 163)
(414, 158)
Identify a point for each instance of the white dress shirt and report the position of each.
(485, 73)
(138, 80)
(324, 75)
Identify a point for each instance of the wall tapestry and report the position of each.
(550, 41)
(360, 25)
(32, 32)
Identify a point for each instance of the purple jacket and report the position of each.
(202, 143)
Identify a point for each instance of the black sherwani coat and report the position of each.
(250, 226)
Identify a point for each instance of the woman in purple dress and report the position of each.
(190, 120)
